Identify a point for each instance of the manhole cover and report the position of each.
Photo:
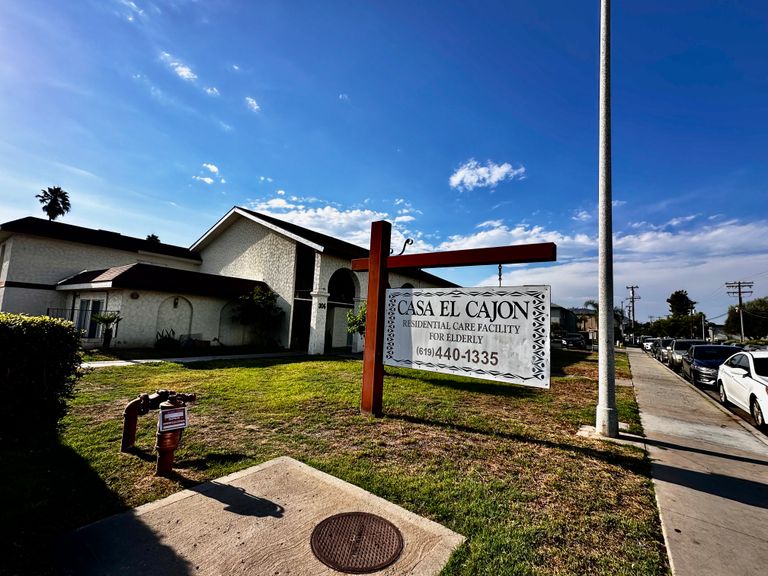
(356, 542)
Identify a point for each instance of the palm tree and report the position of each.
(592, 304)
(55, 202)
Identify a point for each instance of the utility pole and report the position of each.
(632, 298)
(740, 289)
(606, 417)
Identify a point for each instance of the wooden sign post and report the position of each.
(379, 262)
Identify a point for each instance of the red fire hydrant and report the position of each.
(172, 420)
(170, 425)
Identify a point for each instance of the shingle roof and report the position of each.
(341, 248)
(332, 245)
(142, 276)
(105, 238)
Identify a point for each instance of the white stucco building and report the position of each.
(73, 272)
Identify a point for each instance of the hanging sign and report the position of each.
(172, 418)
(492, 333)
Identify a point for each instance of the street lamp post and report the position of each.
(607, 422)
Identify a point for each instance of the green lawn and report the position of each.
(500, 464)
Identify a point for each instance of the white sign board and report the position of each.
(172, 418)
(492, 333)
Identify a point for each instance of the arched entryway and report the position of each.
(174, 317)
(231, 331)
(343, 288)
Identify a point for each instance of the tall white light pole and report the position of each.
(607, 421)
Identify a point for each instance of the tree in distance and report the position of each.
(55, 201)
(153, 238)
(679, 303)
(755, 319)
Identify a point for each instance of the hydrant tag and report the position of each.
(172, 419)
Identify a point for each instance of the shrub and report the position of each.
(166, 340)
(38, 371)
(356, 322)
(259, 310)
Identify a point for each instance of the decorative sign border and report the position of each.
(538, 374)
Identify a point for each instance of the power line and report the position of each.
(632, 299)
(740, 289)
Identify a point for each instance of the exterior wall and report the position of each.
(248, 250)
(47, 261)
(30, 301)
(139, 325)
(36, 260)
(5, 256)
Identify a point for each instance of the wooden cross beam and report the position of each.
(379, 262)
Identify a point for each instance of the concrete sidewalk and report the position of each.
(710, 473)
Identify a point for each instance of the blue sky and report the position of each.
(465, 124)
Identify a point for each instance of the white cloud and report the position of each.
(490, 224)
(581, 215)
(399, 201)
(472, 174)
(132, 10)
(660, 261)
(344, 97)
(212, 168)
(351, 225)
(681, 220)
(235, 67)
(222, 181)
(226, 127)
(280, 192)
(618, 203)
(179, 68)
(275, 204)
(212, 91)
(206, 179)
(252, 104)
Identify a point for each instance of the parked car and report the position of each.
(660, 349)
(700, 362)
(648, 343)
(574, 341)
(677, 349)
(743, 381)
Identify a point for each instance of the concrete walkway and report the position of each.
(256, 522)
(710, 472)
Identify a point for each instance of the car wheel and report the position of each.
(757, 414)
(721, 393)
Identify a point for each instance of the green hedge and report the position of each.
(39, 363)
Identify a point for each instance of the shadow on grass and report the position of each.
(561, 359)
(261, 362)
(635, 465)
(211, 460)
(46, 493)
(466, 384)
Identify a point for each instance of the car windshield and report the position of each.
(666, 341)
(761, 366)
(713, 352)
